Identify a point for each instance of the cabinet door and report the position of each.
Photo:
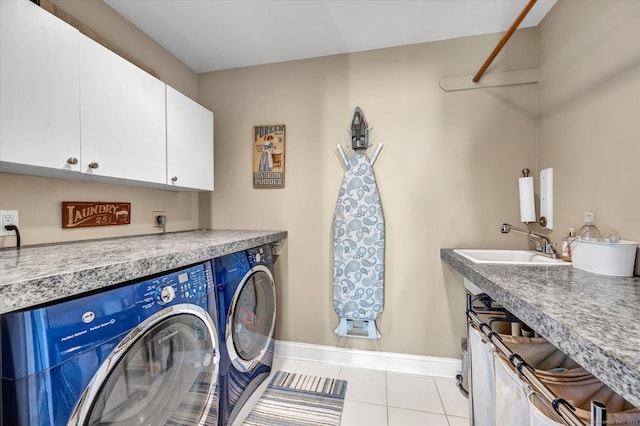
(189, 143)
(39, 101)
(122, 117)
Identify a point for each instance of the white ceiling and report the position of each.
(209, 35)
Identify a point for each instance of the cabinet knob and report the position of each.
(174, 179)
(93, 165)
(72, 160)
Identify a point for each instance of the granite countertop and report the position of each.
(44, 273)
(592, 318)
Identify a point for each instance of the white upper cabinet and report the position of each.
(71, 108)
(122, 116)
(39, 93)
(189, 143)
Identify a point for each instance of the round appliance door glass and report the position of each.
(163, 373)
(252, 318)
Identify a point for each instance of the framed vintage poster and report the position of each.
(268, 156)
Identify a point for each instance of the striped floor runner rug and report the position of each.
(299, 400)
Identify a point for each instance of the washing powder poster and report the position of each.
(268, 156)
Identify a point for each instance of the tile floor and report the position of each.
(382, 398)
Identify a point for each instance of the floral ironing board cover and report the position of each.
(358, 244)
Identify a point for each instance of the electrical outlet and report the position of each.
(154, 218)
(8, 217)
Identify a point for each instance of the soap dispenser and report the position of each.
(588, 231)
(566, 245)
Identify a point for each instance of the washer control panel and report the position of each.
(184, 286)
(165, 294)
(260, 256)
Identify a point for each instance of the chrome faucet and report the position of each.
(547, 247)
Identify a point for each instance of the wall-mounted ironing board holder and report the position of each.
(374, 157)
(363, 329)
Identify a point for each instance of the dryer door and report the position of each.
(164, 372)
(251, 319)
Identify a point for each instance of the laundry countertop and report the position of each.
(40, 274)
(592, 318)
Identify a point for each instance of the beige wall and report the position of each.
(446, 176)
(38, 199)
(589, 123)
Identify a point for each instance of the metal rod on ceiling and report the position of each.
(503, 41)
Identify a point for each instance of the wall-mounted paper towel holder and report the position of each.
(527, 205)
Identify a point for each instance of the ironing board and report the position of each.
(358, 252)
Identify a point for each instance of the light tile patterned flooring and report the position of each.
(382, 398)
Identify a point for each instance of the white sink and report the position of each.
(509, 257)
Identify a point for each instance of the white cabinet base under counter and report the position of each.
(591, 318)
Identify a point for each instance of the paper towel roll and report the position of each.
(527, 206)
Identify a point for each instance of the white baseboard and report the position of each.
(372, 360)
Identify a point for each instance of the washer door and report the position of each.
(251, 319)
(165, 371)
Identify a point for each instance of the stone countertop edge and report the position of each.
(40, 274)
(602, 334)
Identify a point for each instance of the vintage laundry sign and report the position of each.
(82, 214)
(268, 156)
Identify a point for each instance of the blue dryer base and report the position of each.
(238, 387)
(246, 309)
